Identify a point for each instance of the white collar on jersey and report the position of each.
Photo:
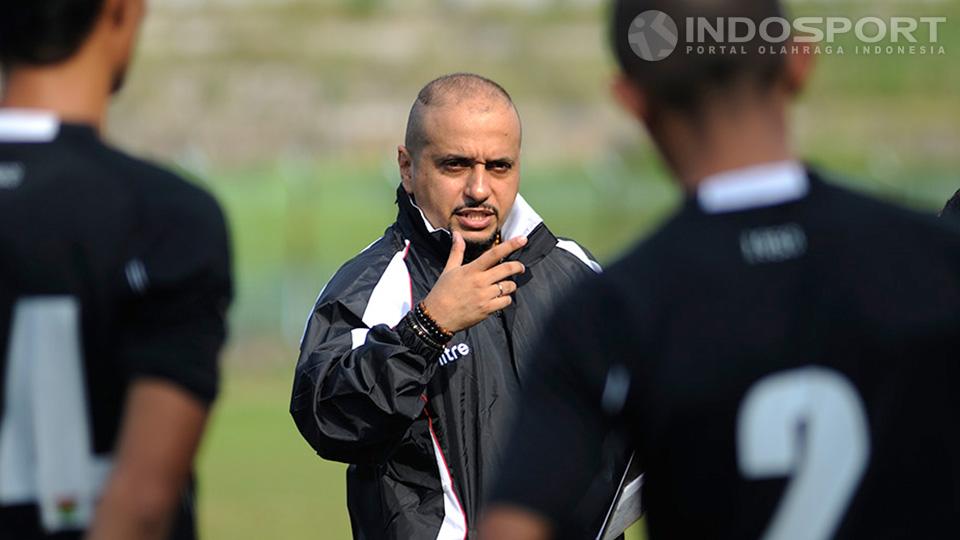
(28, 125)
(523, 219)
(756, 186)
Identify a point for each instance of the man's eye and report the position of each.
(455, 164)
(499, 166)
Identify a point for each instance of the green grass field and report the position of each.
(258, 478)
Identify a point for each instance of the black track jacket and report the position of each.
(423, 431)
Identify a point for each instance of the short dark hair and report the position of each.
(455, 87)
(43, 32)
(952, 209)
(682, 80)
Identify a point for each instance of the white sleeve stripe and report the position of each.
(576, 250)
(306, 323)
(391, 297)
(390, 300)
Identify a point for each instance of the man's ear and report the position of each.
(121, 14)
(405, 162)
(123, 19)
(630, 97)
(797, 68)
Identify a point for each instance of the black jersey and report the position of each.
(110, 270)
(785, 371)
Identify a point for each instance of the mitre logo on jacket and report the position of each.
(454, 353)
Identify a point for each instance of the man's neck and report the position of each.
(74, 91)
(726, 138)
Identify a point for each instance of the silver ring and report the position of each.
(499, 286)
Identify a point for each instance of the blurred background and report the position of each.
(291, 110)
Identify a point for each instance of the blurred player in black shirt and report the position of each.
(785, 354)
(114, 282)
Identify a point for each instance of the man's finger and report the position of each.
(502, 271)
(456, 252)
(500, 303)
(503, 288)
(497, 253)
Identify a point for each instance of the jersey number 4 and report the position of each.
(46, 453)
(810, 424)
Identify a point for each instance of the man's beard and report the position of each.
(476, 249)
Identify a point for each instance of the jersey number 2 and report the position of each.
(810, 424)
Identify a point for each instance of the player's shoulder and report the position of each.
(164, 195)
(636, 285)
(162, 186)
(605, 294)
(885, 222)
(653, 253)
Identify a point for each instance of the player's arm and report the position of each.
(159, 436)
(172, 329)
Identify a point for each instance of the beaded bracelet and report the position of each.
(437, 332)
(421, 332)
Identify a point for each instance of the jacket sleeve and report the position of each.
(357, 391)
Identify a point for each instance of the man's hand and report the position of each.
(466, 294)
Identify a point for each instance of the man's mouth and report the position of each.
(475, 219)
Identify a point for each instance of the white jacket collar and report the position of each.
(521, 221)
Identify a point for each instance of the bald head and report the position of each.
(479, 93)
(461, 159)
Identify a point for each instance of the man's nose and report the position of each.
(478, 187)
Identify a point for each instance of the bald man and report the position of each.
(416, 351)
